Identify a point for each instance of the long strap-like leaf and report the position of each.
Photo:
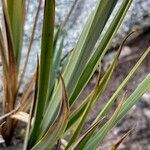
(100, 87)
(81, 53)
(143, 87)
(98, 55)
(45, 64)
(120, 88)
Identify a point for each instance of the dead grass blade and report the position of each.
(32, 108)
(30, 44)
(22, 116)
(58, 127)
(10, 113)
(12, 65)
(115, 146)
(28, 92)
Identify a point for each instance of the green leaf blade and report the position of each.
(46, 59)
(16, 11)
(120, 88)
(143, 87)
(80, 54)
(98, 55)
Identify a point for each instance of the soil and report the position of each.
(139, 116)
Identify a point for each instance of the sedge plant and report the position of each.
(49, 96)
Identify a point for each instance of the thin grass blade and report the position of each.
(99, 136)
(30, 45)
(27, 144)
(100, 87)
(78, 144)
(142, 88)
(120, 88)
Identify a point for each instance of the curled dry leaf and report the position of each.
(22, 116)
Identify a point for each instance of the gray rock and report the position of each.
(138, 16)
